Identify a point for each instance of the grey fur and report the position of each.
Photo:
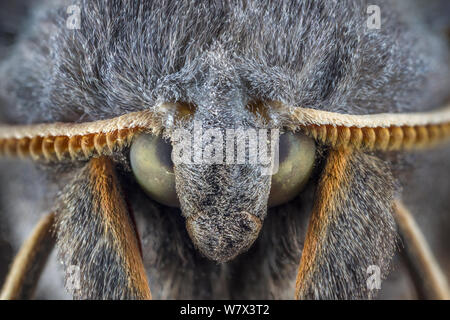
(129, 55)
(224, 204)
(85, 243)
(316, 54)
(362, 229)
(177, 270)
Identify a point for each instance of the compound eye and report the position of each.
(151, 163)
(297, 155)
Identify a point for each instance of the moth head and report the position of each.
(223, 167)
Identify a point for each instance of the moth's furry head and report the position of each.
(128, 55)
(221, 56)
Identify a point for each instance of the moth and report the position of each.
(101, 104)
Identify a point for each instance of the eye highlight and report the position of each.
(151, 163)
(297, 155)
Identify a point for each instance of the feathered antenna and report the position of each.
(58, 142)
(376, 132)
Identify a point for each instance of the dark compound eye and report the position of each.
(151, 162)
(152, 166)
(296, 161)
